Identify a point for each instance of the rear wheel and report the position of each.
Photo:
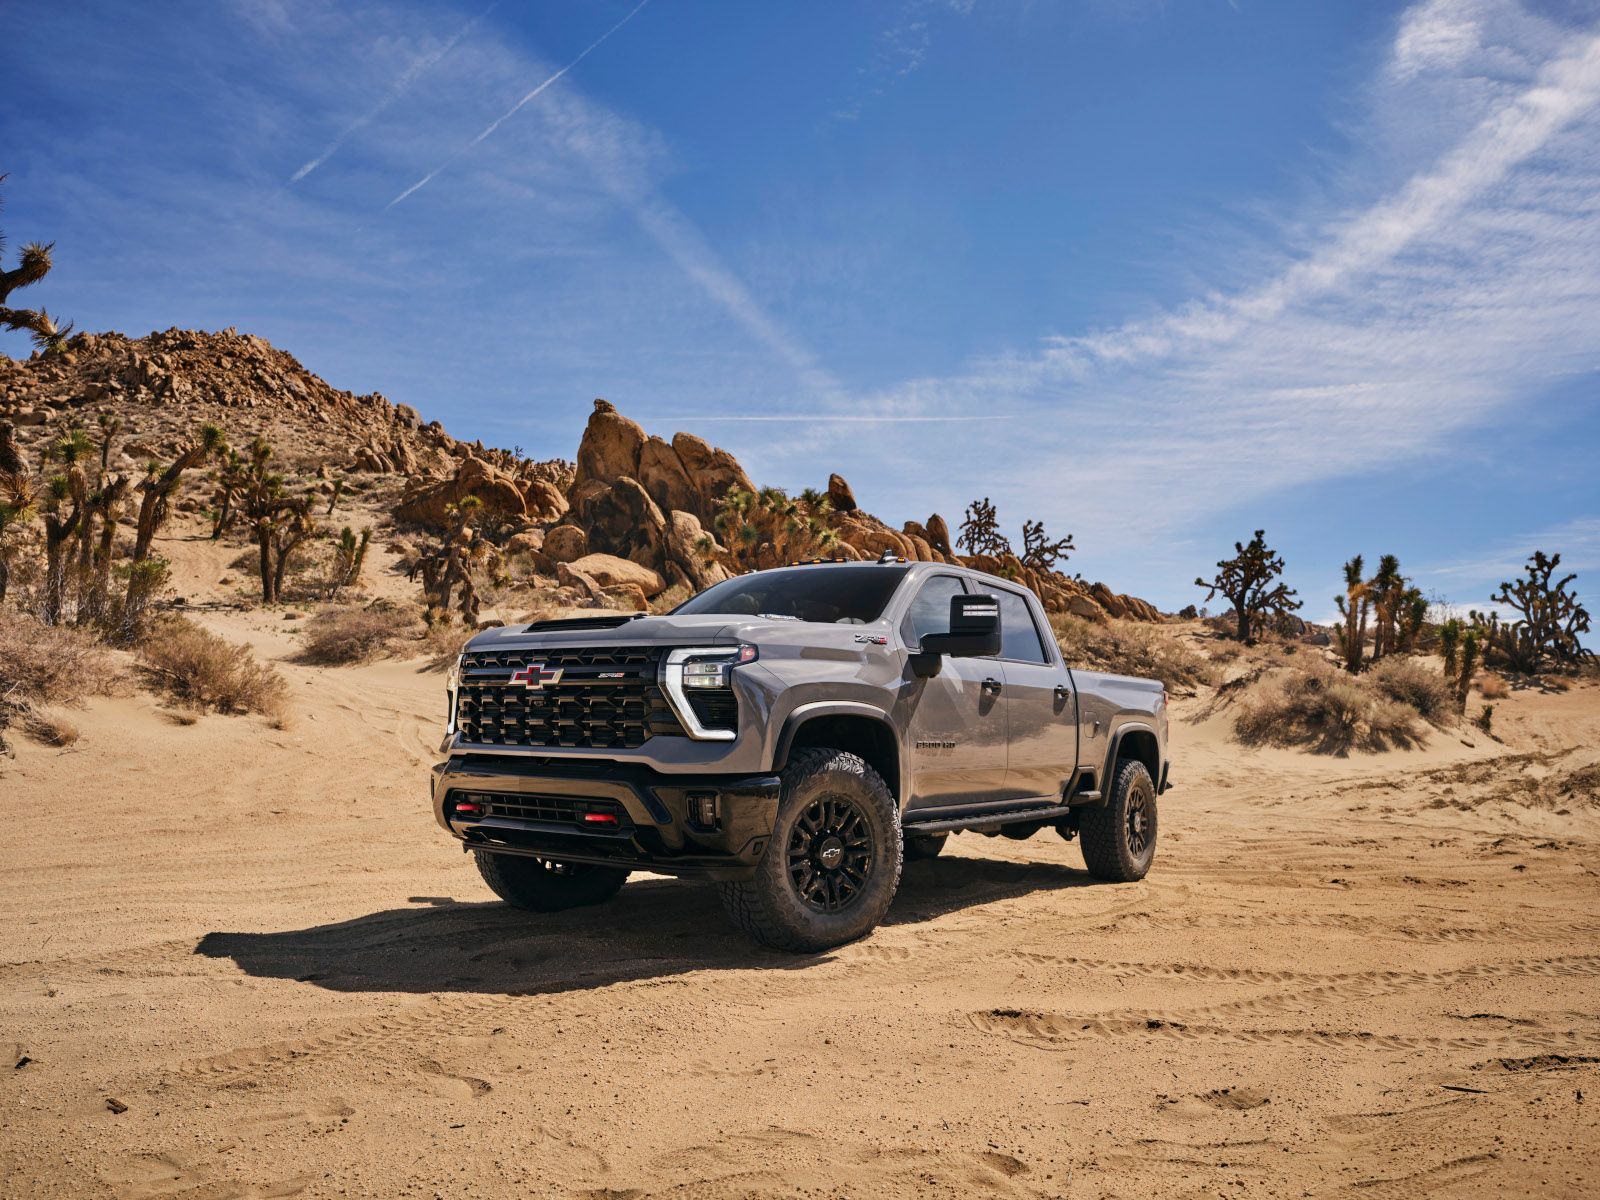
(833, 864)
(540, 885)
(1119, 840)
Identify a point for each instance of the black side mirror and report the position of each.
(974, 629)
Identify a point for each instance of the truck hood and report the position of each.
(610, 629)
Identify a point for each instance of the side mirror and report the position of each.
(974, 629)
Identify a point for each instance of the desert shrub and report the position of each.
(1493, 687)
(1323, 709)
(339, 636)
(203, 671)
(48, 664)
(51, 664)
(1408, 681)
(1129, 648)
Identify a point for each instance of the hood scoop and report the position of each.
(584, 623)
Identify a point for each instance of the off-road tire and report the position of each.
(1119, 840)
(770, 907)
(925, 845)
(540, 885)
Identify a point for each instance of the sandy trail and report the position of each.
(1375, 976)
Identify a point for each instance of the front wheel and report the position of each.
(539, 885)
(833, 864)
(1119, 840)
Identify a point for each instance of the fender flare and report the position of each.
(833, 708)
(1117, 734)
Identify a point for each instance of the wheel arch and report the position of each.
(858, 728)
(1135, 740)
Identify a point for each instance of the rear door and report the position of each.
(1041, 711)
(958, 718)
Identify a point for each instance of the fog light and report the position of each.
(704, 810)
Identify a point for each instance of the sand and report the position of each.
(1369, 976)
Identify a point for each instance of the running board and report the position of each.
(989, 820)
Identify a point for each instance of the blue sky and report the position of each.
(1158, 273)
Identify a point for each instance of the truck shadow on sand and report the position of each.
(654, 928)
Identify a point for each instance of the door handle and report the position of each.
(992, 686)
(1063, 692)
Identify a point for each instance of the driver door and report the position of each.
(958, 720)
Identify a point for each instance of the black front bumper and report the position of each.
(656, 829)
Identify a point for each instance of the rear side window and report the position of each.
(930, 611)
(1019, 636)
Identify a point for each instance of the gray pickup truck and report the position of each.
(796, 735)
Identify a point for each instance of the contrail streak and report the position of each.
(401, 85)
(509, 113)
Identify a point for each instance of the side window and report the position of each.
(930, 611)
(1019, 636)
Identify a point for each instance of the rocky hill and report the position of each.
(636, 511)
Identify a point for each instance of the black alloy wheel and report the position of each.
(831, 853)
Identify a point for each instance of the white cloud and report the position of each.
(1405, 320)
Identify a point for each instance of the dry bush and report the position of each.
(48, 664)
(1493, 687)
(340, 636)
(52, 664)
(1323, 709)
(1409, 681)
(203, 671)
(1129, 648)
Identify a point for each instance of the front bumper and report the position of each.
(656, 828)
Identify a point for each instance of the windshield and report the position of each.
(852, 595)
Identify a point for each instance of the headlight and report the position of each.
(702, 670)
(452, 687)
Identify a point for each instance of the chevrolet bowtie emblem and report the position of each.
(537, 675)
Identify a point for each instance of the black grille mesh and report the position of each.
(606, 697)
(552, 810)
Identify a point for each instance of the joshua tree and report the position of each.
(1550, 622)
(1450, 645)
(1469, 664)
(233, 473)
(1388, 587)
(17, 509)
(768, 528)
(448, 566)
(33, 266)
(158, 485)
(980, 531)
(61, 523)
(1353, 607)
(1038, 551)
(1247, 580)
(348, 558)
(279, 522)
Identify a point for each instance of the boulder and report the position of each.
(585, 585)
(715, 473)
(702, 565)
(624, 521)
(608, 571)
(662, 473)
(565, 543)
(427, 501)
(625, 596)
(610, 446)
(939, 535)
(544, 500)
(1108, 600)
(529, 541)
(839, 493)
(1080, 605)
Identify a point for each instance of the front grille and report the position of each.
(604, 698)
(549, 810)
